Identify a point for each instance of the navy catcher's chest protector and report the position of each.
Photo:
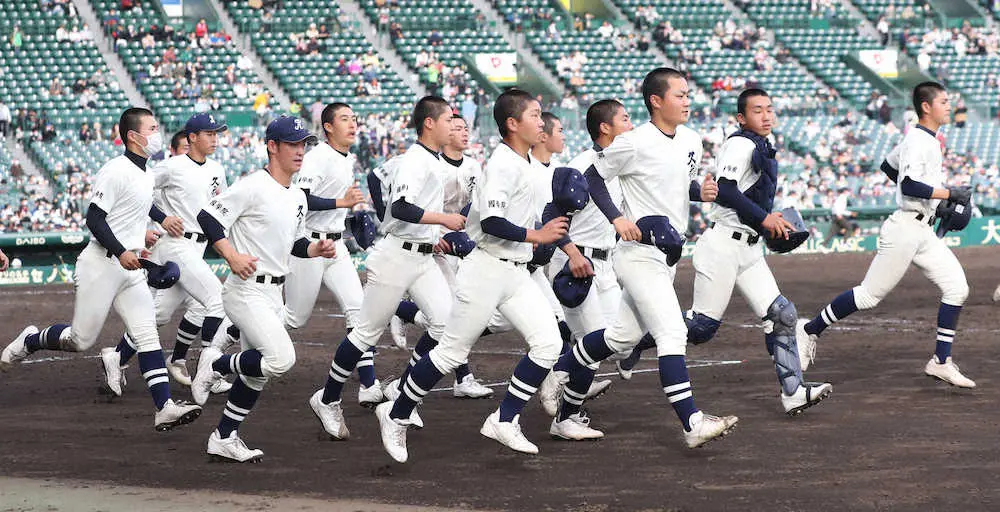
(765, 166)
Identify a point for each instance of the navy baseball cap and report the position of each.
(570, 192)
(571, 291)
(204, 122)
(289, 129)
(163, 276)
(461, 244)
(658, 232)
(362, 228)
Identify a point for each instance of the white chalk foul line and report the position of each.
(691, 364)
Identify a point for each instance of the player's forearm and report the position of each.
(505, 229)
(600, 195)
(913, 188)
(891, 172)
(749, 212)
(375, 189)
(157, 214)
(571, 250)
(694, 191)
(301, 248)
(97, 223)
(316, 203)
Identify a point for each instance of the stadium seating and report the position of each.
(681, 13)
(794, 14)
(310, 77)
(874, 9)
(822, 51)
(428, 14)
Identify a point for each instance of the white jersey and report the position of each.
(415, 176)
(185, 187)
(326, 173)
(542, 178)
(655, 171)
(893, 157)
(458, 182)
(125, 192)
(734, 163)
(262, 218)
(920, 159)
(508, 192)
(589, 227)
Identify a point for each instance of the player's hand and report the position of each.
(960, 195)
(4, 261)
(351, 198)
(453, 221)
(322, 249)
(129, 261)
(580, 267)
(627, 229)
(174, 226)
(151, 238)
(243, 265)
(709, 189)
(552, 231)
(442, 247)
(777, 226)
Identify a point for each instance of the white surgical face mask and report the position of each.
(154, 144)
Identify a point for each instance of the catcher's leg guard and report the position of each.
(781, 343)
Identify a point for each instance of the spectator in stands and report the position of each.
(435, 38)
(17, 38)
(243, 63)
(5, 119)
(88, 100)
(55, 87)
(312, 32)
(395, 31)
(373, 88)
(606, 30)
(841, 224)
(882, 26)
(201, 29)
(323, 33)
(85, 135)
(360, 90)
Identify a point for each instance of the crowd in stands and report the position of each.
(967, 40)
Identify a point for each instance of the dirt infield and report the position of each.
(888, 438)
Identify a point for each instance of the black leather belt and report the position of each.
(316, 235)
(421, 248)
(738, 236)
(265, 279)
(197, 237)
(516, 263)
(595, 254)
(930, 219)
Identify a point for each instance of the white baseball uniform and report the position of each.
(325, 173)
(655, 172)
(723, 255)
(594, 236)
(459, 178)
(184, 188)
(401, 262)
(495, 275)
(125, 192)
(907, 236)
(263, 219)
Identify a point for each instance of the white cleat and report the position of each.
(391, 391)
(706, 428)
(398, 330)
(624, 373)
(16, 351)
(996, 294)
(331, 416)
(507, 433)
(806, 344)
(371, 396)
(179, 372)
(550, 392)
(598, 388)
(231, 449)
(175, 414)
(393, 433)
(221, 387)
(469, 387)
(808, 395)
(114, 378)
(948, 372)
(574, 428)
(205, 378)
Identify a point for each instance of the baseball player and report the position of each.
(328, 171)
(907, 236)
(185, 184)
(459, 179)
(264, 216)
(729, 253)
(655, 164)
(107, 270)
(493, 276)
(179, 144)
(401, 262)
(588, 250)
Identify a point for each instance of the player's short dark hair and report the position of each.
(331, 110)
(175, 141)
(428, 107)
(511, 103)
(744, 97)
(657, 83)
(603, 111)
(925, 92)
(130, 120)
(459, 116)
(549, 119)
